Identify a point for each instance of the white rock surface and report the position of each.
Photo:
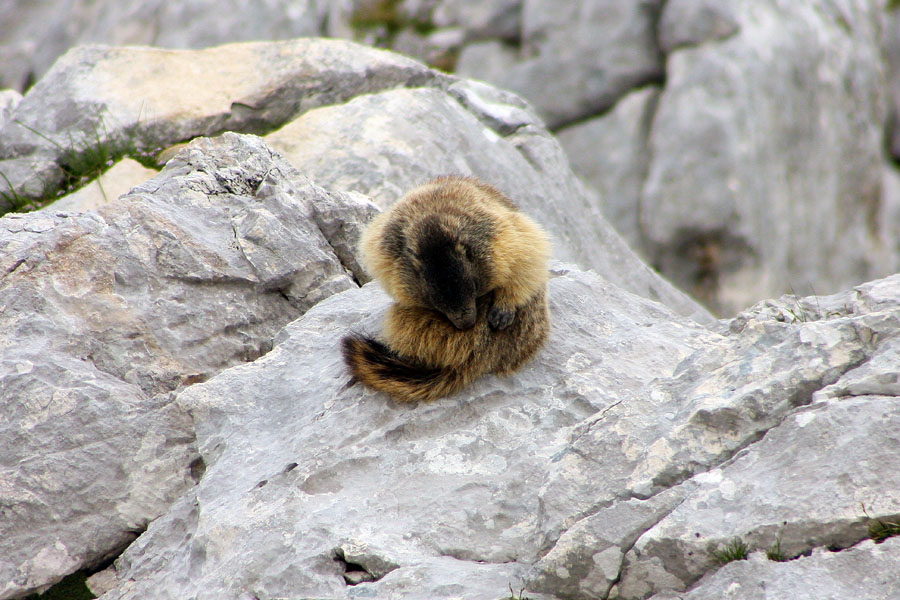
(867, 572)
(610, 152)
(590, 473)
(592, 470)
(103, 314)
(433, 490)
(576, 58)
(760, 179)
(851, 451)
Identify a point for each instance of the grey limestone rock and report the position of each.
(866, 572)
(114, 100)
(104, 314)
(470, 129)
(851, 464)
(589, 474)
(759, 180)
(576, 58)
(369, 121)
(434, 501)
(86, 461)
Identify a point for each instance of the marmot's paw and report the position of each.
(500, 318)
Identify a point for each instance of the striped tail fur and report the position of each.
(377, 366)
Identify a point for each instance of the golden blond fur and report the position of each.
(469, 275)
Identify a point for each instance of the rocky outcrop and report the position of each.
(630, 449)
(104, 314)
(315, 91)
(749, 167)
(325, 463)
(170, 374)
(737, 178)
(103, 102)
(755, 163)
(196, 268)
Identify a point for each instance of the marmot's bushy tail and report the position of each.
(377, 366)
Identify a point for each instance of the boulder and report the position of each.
(575, 59)
(99, 103)
(39, 33)
(468, 129)
(111, 286)
(759, 181)
(87, 460)
(589, 472)
(308, 477)
(105, 313)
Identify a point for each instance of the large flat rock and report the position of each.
(590, 472)
(140, 100)
(303, 469)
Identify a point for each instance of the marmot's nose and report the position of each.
(465, 320)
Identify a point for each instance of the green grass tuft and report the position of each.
(734, 550)
(514, 596)
(84, 159)
(775, 553)
(73, 587)
(880, 530)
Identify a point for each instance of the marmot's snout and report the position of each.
(464, 319)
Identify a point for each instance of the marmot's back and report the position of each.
(468, 272)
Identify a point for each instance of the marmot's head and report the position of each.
(451, 266)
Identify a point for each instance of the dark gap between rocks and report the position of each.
(354, 574)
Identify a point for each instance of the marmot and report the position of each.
(469, 275)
